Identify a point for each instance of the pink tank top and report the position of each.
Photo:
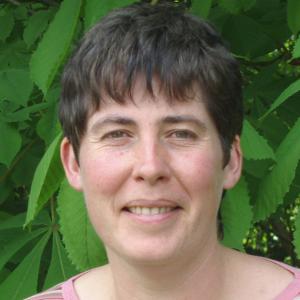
(66, 290)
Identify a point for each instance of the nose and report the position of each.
(151, 163)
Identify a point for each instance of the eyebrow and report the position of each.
(113, 120)
(184, 119)
(119, 120)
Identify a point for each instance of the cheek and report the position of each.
(203, 172)
(104, 174)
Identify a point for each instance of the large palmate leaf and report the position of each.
(17, 221)
(201, 8)
(293, 18)
(288, 92)
(22, 282)
(60, 267)
(54, 46)
(46, 180)
(15, 240)
(276, 183)
(82, 243)
(254, 146)
(95, 9)
(10, 143)
(236, 214)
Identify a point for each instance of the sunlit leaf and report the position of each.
(60, 267)
(236, 214)
(54, 45)
(22, 282)
(254, 146)
(10, 143)
(82, 243)
(46, 180)
(276, 183)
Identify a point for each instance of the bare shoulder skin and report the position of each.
(250, 277)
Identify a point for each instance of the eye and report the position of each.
(116, 134)
(183, 134)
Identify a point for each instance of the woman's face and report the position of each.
(152, 176)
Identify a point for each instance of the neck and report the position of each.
(200, 273)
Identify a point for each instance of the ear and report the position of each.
(70, 164)
(234, 167)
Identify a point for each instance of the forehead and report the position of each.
(141, 106)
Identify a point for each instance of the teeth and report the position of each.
(147, 211)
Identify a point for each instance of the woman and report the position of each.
(151, 110)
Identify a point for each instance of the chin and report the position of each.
(149, 252)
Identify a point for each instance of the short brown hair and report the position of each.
(161, 41)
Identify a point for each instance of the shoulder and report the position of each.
(54, 293)
(268, 279)
(98, 279)
(61, 291)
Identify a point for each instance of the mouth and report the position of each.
(153, 211)
(150, 211)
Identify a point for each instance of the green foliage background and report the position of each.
(45, 235)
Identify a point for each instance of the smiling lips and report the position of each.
(150, 211)
(150, 207)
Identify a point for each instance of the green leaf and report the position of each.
(247, 37)
(201, 8)
(17, 221)
(276, 183)
(48, 126)
(54, 46)
(46, 180)
(254, 146)
(288, 92)
(15, 241)
(10, 143)
(296, 51)
(296, 235)
(13, 55)
(60, 267)
(94, 10)
(293, 15)
(36, 25)
(6, 24)
(237, 6)
(236, 214)
(24, 113)
(22, 282)
(82, 243)
(15, 85)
